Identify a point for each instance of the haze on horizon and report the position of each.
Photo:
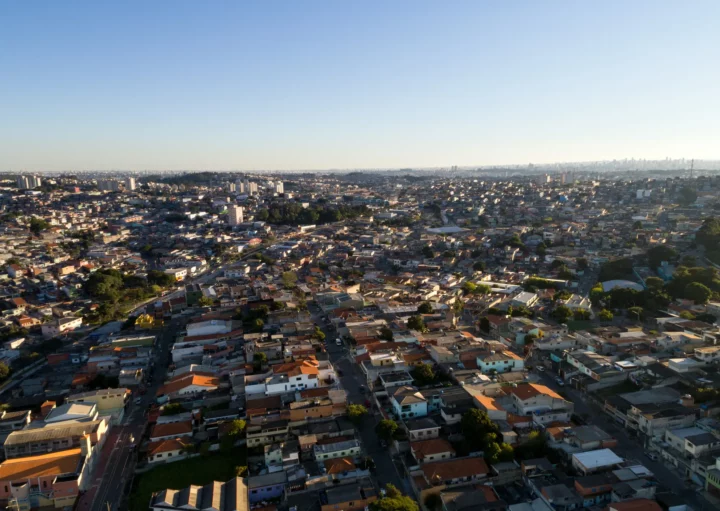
(340, 85)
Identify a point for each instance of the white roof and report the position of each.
(598, 458)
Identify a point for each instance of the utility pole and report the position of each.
(692, 167)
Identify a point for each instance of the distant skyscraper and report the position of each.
(250, 187)
(235, 215)
(130, 184)
(231, 187)
(108, 185)
(279, 187)
(28, 182)
(239, 186)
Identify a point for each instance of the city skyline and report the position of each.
(322, 86)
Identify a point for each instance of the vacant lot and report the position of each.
(180, 474)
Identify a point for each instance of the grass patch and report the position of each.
(620, 388)
(181, 474)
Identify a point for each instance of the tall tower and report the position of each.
(235, 215)
(130, 184)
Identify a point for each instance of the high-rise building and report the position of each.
(235, 215)
(239, 186)
(250, 187)
(28, 182)
(130, 184)
(279, 187)
(108, 185)
(231, 187)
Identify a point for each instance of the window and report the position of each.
(44, 484)
(169, 455)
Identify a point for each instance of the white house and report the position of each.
(60, 326)
(499, 362)
(167, 451)
(408, 402)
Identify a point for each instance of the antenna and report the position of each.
(692, 167)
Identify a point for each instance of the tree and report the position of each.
(636, 312)
(687, 315)
(707, 318)
(4, 371)
(173, 409)
(582, 314)
(416, 323)
(484, 324)
(356, 412)
(698, 293)
(433, 501)
(160, 278)
(659, 254)
(289, 279)
(424, 308)
(478, 266)
(259, 360)
(427, 251)
(582, 263)
(654, 283)
(205, 301)
(237, 428)
(394, 501)
(241, 471)
(605, 315)
(423, 374)
(319, 334)
(386, 333)
(37, 225)
(687, 196)
(469, 288)
(541, 249)
(637, 225)
(386, 428)
(562, 314)
(689, 260)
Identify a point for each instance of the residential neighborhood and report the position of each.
(217, 341)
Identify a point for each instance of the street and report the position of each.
(118, 458)
(627, 447)
(352, 380)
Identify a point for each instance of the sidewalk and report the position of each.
(85, 502)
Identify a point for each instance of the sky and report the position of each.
(314, 85)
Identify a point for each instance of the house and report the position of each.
(171, 430)
(266, 487)
(334, 450)
(168, 450)
(433, 449)
(542, 403)
(422, 428)
(216, 496)
(353, 497)
(108, 401)
(60, 326)
(408, 402)
(499, 362)
(454, 471)
(600, 460)
(188, 385)
(454, 402)
(52, 479)
(634, 505)
(692, 451)
(56, 437)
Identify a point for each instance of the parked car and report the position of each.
(652, 456)
(540, 369)
(560, 381)
(338, 341)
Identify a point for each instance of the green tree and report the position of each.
(356, 412)
(635, 312)
(424, 308)
(605, 315)
(423, 374)
(173, 409)
(394, 501)
(582, 314)
(478, 266)
(562, 314)
(433, 502)
(697, 292)
(427, 251)
(687, 196)
(659, 254)
(205, 301)
(259, 360)
(637, 225)
(416, 323)
(319, 334)
(4, 371)
(386, 333)
(707, 318)
(469, 288)
(687, 315)
(484, 324)
(37, 225)
(386, 428)
(654, 283)
(237, 428)
(582, 263)
(289, 279)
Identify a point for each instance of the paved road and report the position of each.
(352, 380)
(628, 447)
(117, 464)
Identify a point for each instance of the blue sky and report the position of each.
(340, 84)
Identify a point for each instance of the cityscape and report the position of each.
(340, 341)
(359, 256)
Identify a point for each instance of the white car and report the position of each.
(338, 342)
